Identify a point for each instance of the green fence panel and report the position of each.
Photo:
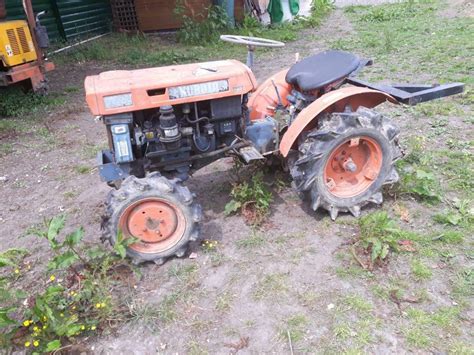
(15, 12)
(84, 18)
(67, 19)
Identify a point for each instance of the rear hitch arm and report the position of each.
(412, 94)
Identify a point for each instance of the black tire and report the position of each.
(316, 147)
(134, 189)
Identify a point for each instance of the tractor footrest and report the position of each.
(250, 153)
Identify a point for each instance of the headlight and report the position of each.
(116, 101)
(211, 87)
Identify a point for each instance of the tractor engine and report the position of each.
(169, 119)
(165, 138)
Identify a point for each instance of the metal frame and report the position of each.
(412, 94)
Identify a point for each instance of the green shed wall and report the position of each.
(67, 19)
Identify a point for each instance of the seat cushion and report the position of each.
(321, 69)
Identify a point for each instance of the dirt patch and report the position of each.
(458, 8)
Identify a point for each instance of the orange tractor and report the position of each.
(165, 123)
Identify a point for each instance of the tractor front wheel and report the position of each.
(343, 163)
(159, 213)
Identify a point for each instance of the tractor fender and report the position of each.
(334, 101)
(264, 100)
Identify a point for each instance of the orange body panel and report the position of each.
(264, 100)
(334, 101)
(149, 88)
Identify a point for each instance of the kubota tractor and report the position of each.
(165, 123)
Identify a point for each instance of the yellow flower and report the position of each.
(73, 307)
(35, 329)
(17, 271)
(36, 343)
(102, 304)
(98, 305)
(61, 314)
(45, 326)
(27, 344)
(83, 327)
(93, 327)
(45, 318)
(52, 278)
(26, 323)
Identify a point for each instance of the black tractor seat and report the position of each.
(322, 69)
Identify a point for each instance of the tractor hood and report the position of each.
(122, 91)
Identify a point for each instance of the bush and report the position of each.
(251, 198)
(201, 30)
(75, 299)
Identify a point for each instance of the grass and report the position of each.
(420, 270)
(255, 240)
(16, 103)
(82, 169)
(184, 273)
(224, 302)
(295, 326)
(428, 329)
(357, 304)
(272, 285)
(412, 31)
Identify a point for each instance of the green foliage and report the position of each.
(378, 235)
(420, 39)
(319, 10)
(461, 215)
(416, 174)
(75, 300)
(204, 28)
(422, 184)
(420, 270)
(252, 198)
(15, 102)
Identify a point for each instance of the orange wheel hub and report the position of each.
(353, 167)
(158, 225)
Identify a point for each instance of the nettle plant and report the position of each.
(75, 299)
(251, 198)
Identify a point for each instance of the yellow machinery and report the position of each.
(16, 44)
(21, 56)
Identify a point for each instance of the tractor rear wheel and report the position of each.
(343, 164)
(160, 213)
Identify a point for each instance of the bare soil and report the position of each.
(242, 297)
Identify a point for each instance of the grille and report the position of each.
(13, 41)
(23, 42)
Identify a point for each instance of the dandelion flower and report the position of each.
(36, 343)
(26, 323)
(93, 327)
(17, 271)
(52, 278)
(27, 344)
(102, 304)
(97, 305)
(35, 329)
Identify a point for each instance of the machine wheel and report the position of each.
(342, 165)
(159, 212)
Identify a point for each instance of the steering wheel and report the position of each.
(251, 43)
